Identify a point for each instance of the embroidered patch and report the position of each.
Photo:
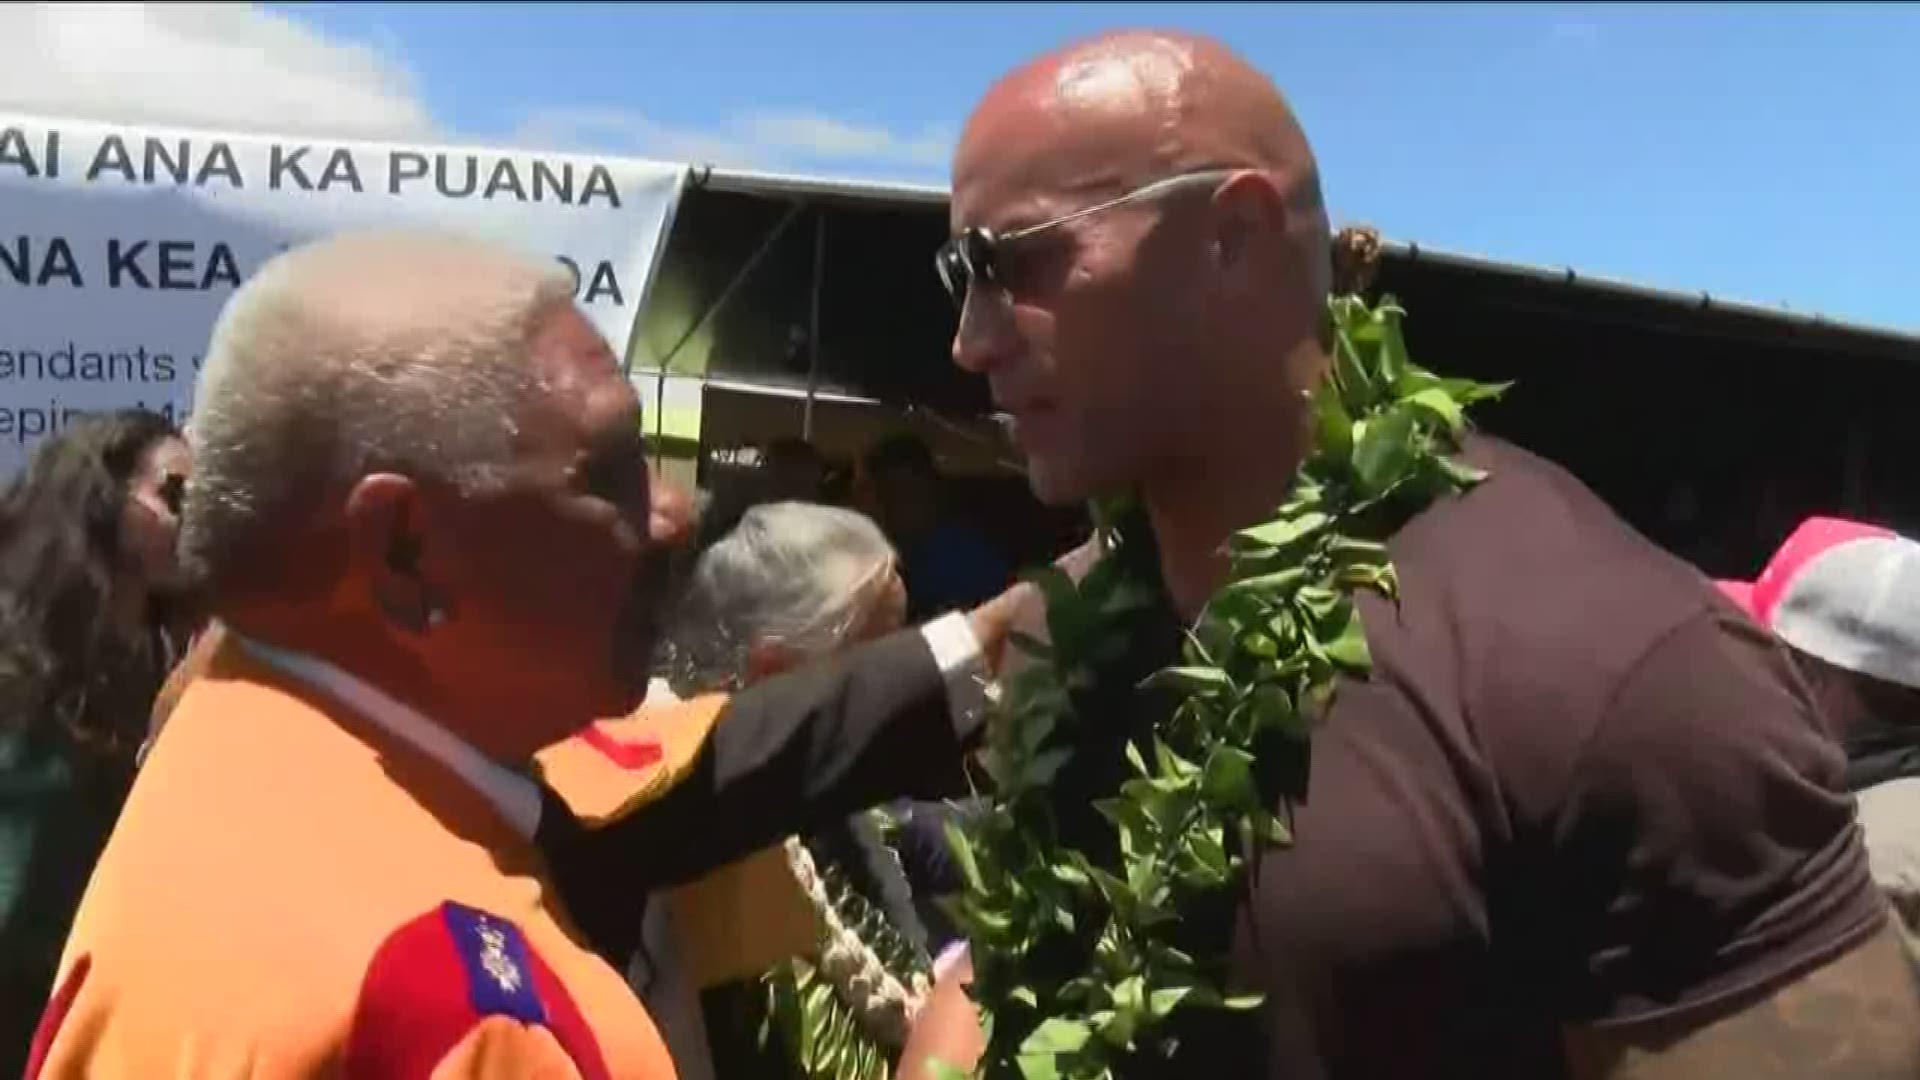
(499, 973)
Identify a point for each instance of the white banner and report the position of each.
(119, 244)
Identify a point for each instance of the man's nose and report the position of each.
(983, 338)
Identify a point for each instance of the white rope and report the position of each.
(884, 1007)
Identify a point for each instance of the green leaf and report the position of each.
(963, 856)
(1277, 582)
(1462, 474)
(1041, 768)
(1161, 1003)
(1384, 451)
(1228, 780)
(1171, 765)
(1348, 645)
(1350, 373)
(1056, 1036)
(1038, 1066)
(1333, 425)
(1442, 406)
(1244, 1002)
(1189, 679)
(1284, 530)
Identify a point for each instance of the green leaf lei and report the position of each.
(1263, 657)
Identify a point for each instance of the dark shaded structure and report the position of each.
(1712, 426)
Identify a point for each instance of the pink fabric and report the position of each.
(1815, 537)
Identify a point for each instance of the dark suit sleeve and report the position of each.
(787, 757)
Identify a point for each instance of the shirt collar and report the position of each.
(516, 797)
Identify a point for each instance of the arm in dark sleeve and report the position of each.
(1721, 878)
(788, 756)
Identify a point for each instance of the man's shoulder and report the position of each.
(389, 1000)
(1530, 575)
(437, 978)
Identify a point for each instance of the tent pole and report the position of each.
(726, 294)
(813, 328)
(713, 309)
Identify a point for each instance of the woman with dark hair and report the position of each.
(91, 618)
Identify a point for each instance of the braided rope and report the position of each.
(885, 1008)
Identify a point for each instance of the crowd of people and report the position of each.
(396, 721)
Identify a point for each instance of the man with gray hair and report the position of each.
(426, 525)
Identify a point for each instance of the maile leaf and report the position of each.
(1348, 645)
(963, 858)
(1442, 406)
(1284, 530)
(1383, 452)
(1056, 1036)
(1189, 679)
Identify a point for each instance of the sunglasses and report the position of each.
(977, 254)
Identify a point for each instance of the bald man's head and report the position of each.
(1219, 277)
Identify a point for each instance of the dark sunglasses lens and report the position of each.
(965, 259)
(951, 264)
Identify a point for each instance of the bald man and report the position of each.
(1580, 822)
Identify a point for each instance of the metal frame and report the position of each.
(818, 193)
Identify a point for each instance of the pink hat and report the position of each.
(1845, 592)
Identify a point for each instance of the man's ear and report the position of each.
(1247, 206)
(386, 540)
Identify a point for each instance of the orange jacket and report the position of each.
(291, 892)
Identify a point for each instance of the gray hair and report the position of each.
(364, 352)
(793, 574)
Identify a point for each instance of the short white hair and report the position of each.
(797, 575)
(400, 351)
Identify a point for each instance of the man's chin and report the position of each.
(1060, 484)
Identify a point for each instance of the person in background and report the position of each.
(91, 617)
(794, 472)
(422, 516)
(1845, 597)
(792, 584)
(948, 564)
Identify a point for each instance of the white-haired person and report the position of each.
(422, 516)
(792, 584)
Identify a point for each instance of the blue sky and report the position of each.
(1764, 152)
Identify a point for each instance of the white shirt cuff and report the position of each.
(957, 653)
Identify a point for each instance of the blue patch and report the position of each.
(499, 973)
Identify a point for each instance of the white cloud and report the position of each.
(765, 139)
(231, 66)
(818, 135)
(629, 131)
(241, 67)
